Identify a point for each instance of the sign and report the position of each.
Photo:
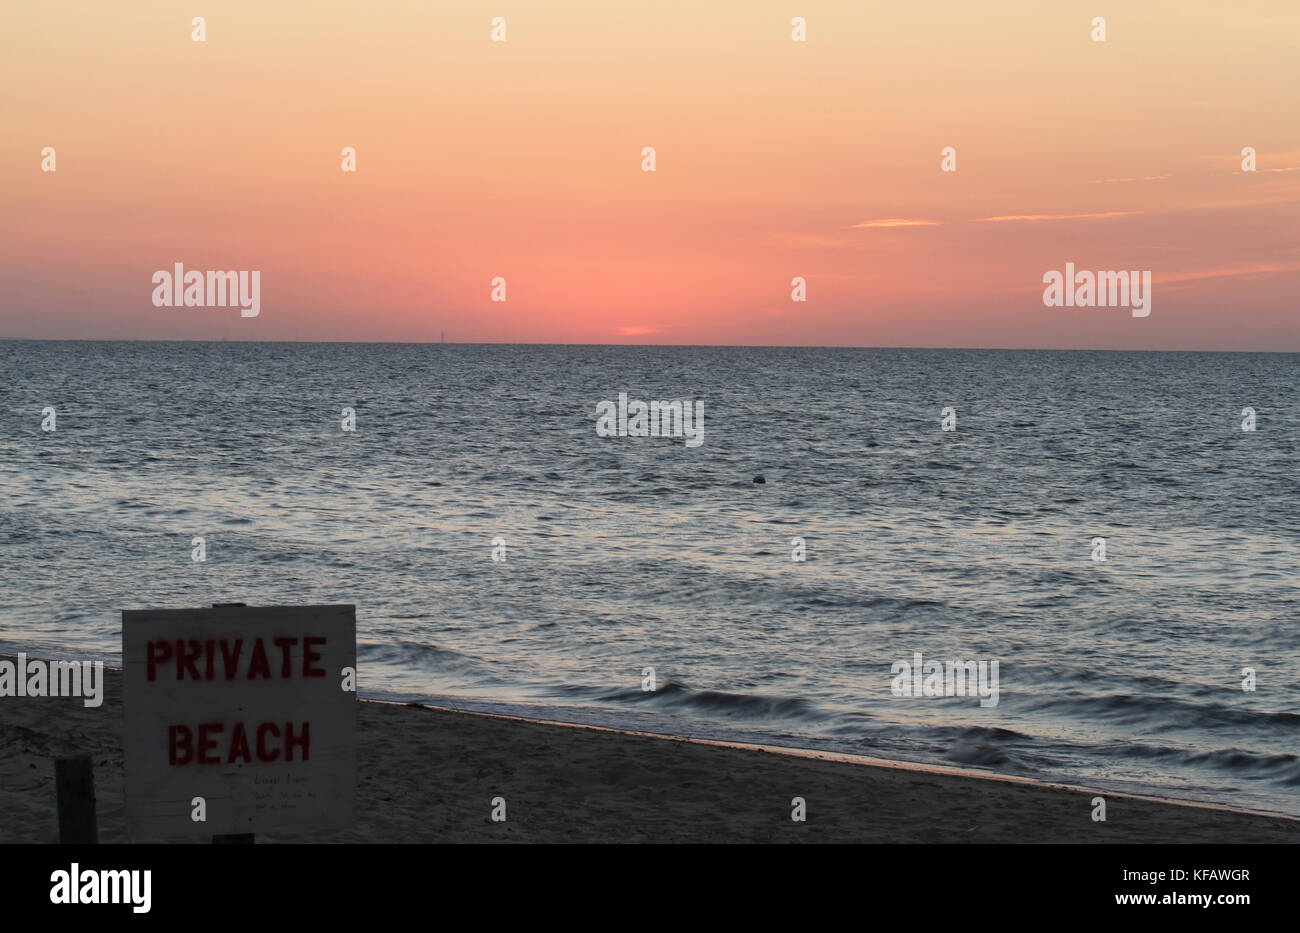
(253, 710)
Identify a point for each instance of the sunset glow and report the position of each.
(775, 159)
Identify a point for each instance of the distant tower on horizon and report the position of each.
(444, 336)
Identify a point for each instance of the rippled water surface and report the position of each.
(625, 553)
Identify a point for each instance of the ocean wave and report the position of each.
(1165, 712)
(1279, 768)
(720, 703)
(414, 655)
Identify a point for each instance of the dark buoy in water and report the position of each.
(759, 479)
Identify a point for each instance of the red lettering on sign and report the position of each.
(262, 753)
(239, 744)
(258, 661)
(231, 659)
(304, 741)
(308, 656)
(273, 744)
(156, 652)
(186, 655)
(180, 748)
(197, 660)
(206, 743)
(284, 644)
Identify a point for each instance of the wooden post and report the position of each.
(74, 783)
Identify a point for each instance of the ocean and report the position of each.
(618, 554)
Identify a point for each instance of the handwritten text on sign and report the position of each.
(239, 719)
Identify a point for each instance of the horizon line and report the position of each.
(646, 346)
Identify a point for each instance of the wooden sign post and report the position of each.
(74, 783)
(239, 719)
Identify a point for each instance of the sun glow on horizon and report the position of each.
(775, 159)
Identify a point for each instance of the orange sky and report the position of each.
(775, 159)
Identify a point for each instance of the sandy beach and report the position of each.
(429, 775)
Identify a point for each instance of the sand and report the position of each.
(429, 775)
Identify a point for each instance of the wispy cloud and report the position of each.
(1014, 217)
(898, 223)
(637, 330)
(1196, 275)
(1112, 181)
(1007, 218)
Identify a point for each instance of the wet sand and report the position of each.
(430, 775)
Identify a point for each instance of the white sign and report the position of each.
(239, 719)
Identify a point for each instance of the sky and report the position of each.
(774, 159)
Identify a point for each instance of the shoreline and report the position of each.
(430, 774)
(517, 711)
(867, 761)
